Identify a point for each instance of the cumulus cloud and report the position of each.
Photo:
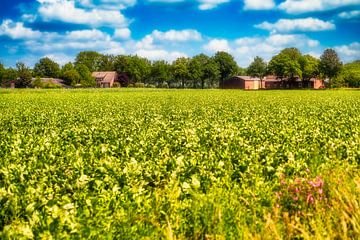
(303, 6)
(203, 4)
(302, 24)
(258, 4)
(66, 11)
(350, 14)
(160, 54)
(177, 36)
(247, 48)
(171, 36)
(216, 45)
(108, 4)
(349, 52)
(122, 33)
(17, 30)
(210, 4)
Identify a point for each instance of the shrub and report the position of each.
(139, 85)
(116, 85)
(163, 85)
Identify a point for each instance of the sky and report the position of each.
(168, 29)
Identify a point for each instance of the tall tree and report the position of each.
(258, 68)
(9, 75)
(71, 77)
(180, 68)
(2, 70)
(330, 64)
(211, 73)
(91, 59)
(67, 67)
(350, 74)
(161, 72)
(309, 66)
(227, 65)
(24, 75)
(46, 68)
(286, 64)
(137, 68)
(86, 79)
(107, 63)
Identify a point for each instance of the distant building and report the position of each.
(105, 79)
(242, 82)
(270, 82)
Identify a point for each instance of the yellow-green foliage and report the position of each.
(179, 164)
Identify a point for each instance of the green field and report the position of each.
(179, 164)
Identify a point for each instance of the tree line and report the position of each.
(200, 71)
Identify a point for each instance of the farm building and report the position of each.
(105, 79)
(270, 82)
(242, 82)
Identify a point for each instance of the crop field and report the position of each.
(179, 164)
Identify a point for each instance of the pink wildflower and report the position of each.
(310, 199)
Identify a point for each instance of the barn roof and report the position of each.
(106, 77)
(248, 78)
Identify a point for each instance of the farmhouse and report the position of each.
(270, 82)
(105, 79)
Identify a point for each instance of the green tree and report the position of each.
(71, 77)
(46, 68)
(349, 75)
(9, 75)
(24, 76)
(211, 73)
(330, 64)
(286, 64)
(86, 79)
(2, 70)
(180, 68)
(107, 63)
(161, 72)
(227, 65)
(67, 67)
(309, 66)
(258, 68)
(91, 59)
(137, 68)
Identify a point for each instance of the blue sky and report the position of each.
(167, 29)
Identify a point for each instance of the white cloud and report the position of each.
(247, 48)
(177, 36)
(303, 6)
(17, 30)
(122, 33)
(146, 43)
(160, 54)
(60, 58)
(350, 14)
(171, 36)
(302, 24)
(108, 4)
(29, 18)
(89, 35)
(210, 4)
(216, 45)
(203, 4)
(349, 52)
(66, 11)
(259, 4)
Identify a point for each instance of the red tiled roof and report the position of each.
(106, 77)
